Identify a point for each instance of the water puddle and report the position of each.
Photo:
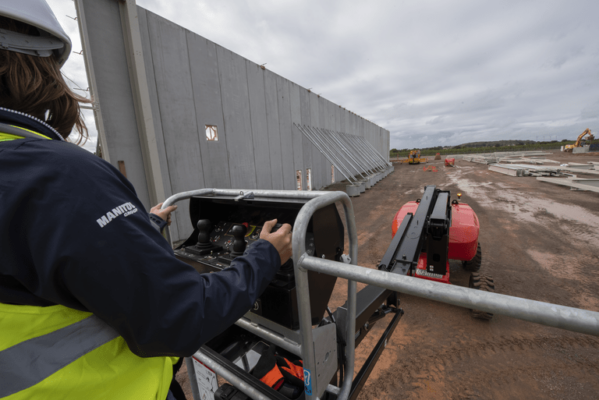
(577, 221)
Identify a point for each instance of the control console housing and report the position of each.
(226, 222)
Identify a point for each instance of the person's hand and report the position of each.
(281, 239)
(164, 214)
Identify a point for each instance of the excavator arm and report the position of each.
(582, 135)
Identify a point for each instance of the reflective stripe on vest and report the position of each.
(12, 132)
(57, 352)
(45, 355)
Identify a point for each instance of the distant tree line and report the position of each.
(485, 147)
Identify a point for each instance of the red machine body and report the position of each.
(463, 237)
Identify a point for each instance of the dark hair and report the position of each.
(35, 86)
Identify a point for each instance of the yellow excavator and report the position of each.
(581, 141)
(414, 158)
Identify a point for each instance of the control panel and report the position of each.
(224, 228)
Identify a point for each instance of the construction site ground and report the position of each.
(539, 241)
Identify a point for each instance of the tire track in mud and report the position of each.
(504, 361)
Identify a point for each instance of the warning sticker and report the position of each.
(207, 380)
(308, 381)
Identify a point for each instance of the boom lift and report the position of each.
(452, 234)
(292, 321)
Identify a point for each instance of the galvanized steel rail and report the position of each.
(569, 318)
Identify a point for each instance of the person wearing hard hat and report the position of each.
(91, 307)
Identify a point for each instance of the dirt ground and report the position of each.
(540, 241)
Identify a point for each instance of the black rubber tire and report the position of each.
(484, 282)
(474, 264)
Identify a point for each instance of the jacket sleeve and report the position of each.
(94, 248)
(158, 223)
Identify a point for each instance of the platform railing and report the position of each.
(568, 318)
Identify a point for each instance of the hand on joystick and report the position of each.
(281, 239)
(204, 226)
(238, 232)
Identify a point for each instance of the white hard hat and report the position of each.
(37, 13)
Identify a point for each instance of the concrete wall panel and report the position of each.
(114, 91)
(307, 146)
(238, 125)
(274, 136)
(296, 118)
(257, 96)
(175, 98)
(326, 174)
(208, 110)
(284, 103)
(318, 160)
(149, 65)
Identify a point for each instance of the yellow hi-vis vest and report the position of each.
(57, 352)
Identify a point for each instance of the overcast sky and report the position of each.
(431, 72)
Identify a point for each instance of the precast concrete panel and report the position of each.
(307, 146)
(284, 103)
(236, 111)
(335, 125)
(175, 98)
(361, 130)
(374, 136)
(296, 118)
(326, 163)
(346, 121)
(272, 123)
(255, 76)
(331, 124)
(388, 144)
(318, 160)
(114, 95)
(209, 111)
(149, 65)
(342, 119)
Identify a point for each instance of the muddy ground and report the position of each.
(539, 241)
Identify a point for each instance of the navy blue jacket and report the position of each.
(73, 232)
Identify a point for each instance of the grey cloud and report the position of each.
(431, 72)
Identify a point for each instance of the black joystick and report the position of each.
(276, 227)
(204, 226)
(238, 232)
